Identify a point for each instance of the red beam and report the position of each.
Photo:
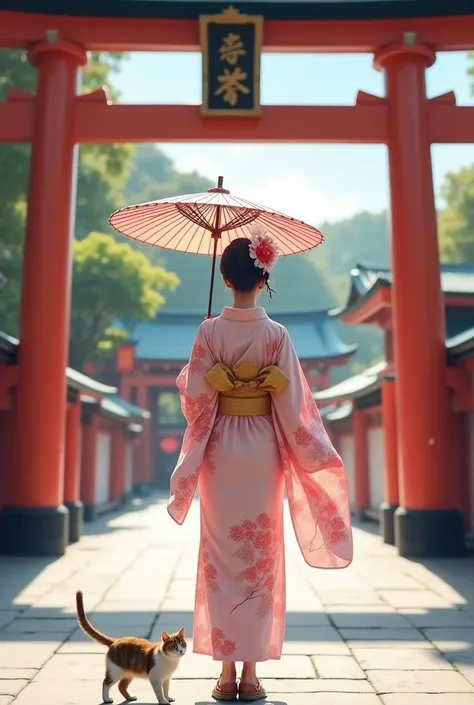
(451, 124)
(363, 123)
(99, 122)
(19, 30)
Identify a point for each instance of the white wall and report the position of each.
(346, 446)
(103, 457)
(376, 453)
(128, 465)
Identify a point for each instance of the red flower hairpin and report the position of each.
(263, 249)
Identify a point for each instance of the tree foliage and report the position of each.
(456, 220)
(111, 280)
(102, 172)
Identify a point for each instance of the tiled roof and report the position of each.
(117, 408)
(461, 345)
(456, 280)
(75, 379)
(81, 382)
(337, 413)
(170, 336)
(110, 404)
(356, 386)
(133, 412)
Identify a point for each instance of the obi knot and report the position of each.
(245, 379)
(244, 391)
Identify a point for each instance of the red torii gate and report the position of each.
(57, 119)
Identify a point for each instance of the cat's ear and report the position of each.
(181, 632)
(165, 636)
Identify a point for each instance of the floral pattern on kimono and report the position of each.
(199, 407)
(315, 477)
(242, 465)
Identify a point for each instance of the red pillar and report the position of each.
(117, 476)
(426, 524)
(89, 465)
(390, 504)
(361, 463)
(37, 521)
(72, 470)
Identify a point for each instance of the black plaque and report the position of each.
(231, 45)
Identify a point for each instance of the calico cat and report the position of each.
(131, 657)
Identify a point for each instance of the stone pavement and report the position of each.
(386, 631)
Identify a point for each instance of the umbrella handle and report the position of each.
(213, 274)
(216, 235)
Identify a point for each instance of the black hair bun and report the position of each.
(238, 267)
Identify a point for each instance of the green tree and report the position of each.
(102, 173)
(362, 238)
(111, 281)
(456, 220)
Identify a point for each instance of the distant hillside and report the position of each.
(297, 282)
(362, 238)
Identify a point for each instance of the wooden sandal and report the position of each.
(251, 692)
(225, 691)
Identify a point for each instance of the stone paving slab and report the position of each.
(401, 659)
(419, 682)
(196, 692)
(380, 638)
(386, 631)
(428, 699)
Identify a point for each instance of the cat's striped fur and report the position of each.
(131, 657)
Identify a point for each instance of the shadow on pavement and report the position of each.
(382, 603)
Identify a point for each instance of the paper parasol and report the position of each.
(205, 223)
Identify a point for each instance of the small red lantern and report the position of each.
(169, 445)
(126, 357)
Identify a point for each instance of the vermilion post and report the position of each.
(390, 504)
(72, 470)
(361, 463)
(38, 521)
(89, 465)
(426, 524)
(117, 477)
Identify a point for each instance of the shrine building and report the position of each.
(403, 37)
(148, 364)
(360, 413)
(99, 468)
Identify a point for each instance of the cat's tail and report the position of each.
(86, 626)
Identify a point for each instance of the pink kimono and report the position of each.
(241, 466)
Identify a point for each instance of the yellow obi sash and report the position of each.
(244, 391)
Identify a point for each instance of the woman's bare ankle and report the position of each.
(228, 673)
(249, 673)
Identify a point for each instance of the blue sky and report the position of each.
(312, 182)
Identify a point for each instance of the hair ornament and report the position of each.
(263, 248)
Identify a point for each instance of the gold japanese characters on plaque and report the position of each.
(231, 46)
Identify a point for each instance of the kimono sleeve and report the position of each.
(298, 417)
(196, 394)
(199, 406)
(315, 477)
